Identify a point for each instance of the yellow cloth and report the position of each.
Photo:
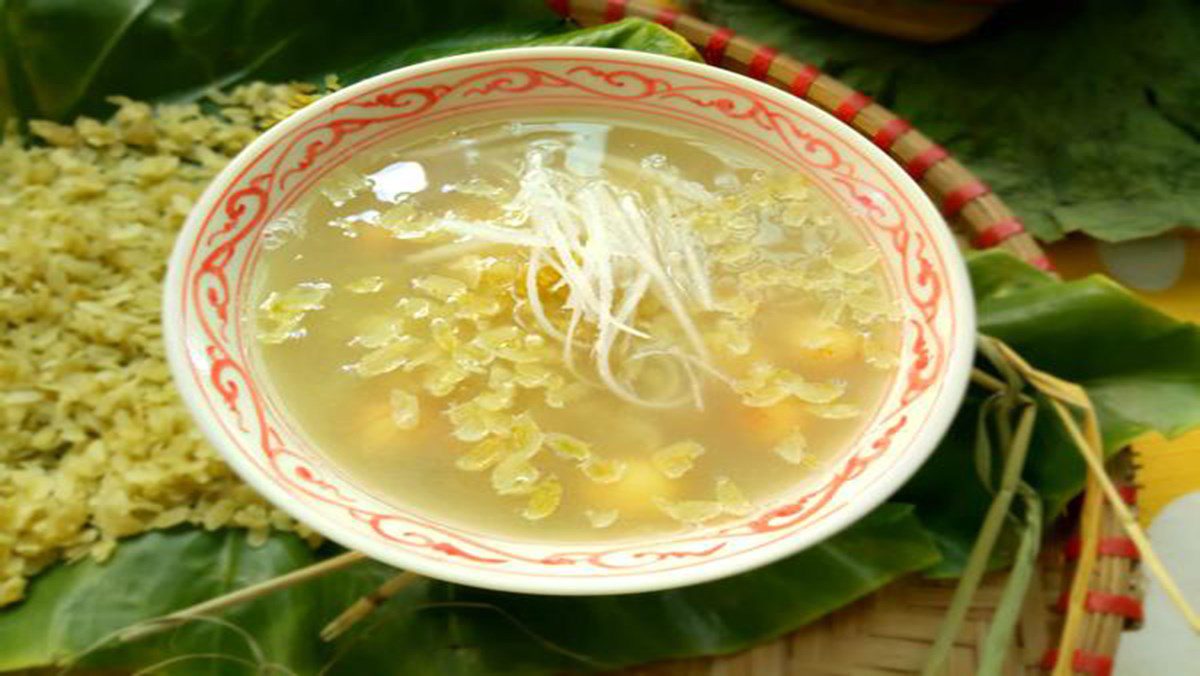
(1165, 272)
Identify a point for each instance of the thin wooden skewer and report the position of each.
(366, 605)
(154, 626)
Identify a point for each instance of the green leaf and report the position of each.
(74, 607)
(200, 45)
(995, 275)
(1140, 367)
(635, 34)
(953, 517)
(433, 627)
(63, 58)
(1083, 116)
(479, 631)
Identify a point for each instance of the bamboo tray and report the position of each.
(890, 631)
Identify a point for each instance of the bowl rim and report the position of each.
(960, 349)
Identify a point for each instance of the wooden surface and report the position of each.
(889, 633)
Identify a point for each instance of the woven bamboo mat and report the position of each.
(890, 631)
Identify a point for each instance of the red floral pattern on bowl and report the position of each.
(206, 291)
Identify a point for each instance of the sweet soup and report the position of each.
(573, 331)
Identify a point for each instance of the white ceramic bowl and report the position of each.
(206, 294)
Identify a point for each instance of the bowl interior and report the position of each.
(208, 282)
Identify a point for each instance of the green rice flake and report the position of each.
(604, 470)
(812, 392)
(406, 409)
(387, 358)
(601, 518)
(677, 459)
(478, 187)
(768, 385)
(377, 331)
(731, 498)
(443, 377)
(365, 285)
(97, 445)
(500, 399)
(559, 396)
(440, 287)
(568, 447)
(482, 455)
(444, 334)
(835, 411)
(472, 422)
(281, 314)
(514, 475)
(342, 185)
(730, 336)
(470, 268)
(534, 374)
(427, 353)
(879, 353)
(524, 436)
(691, 512)
(793, 448)
(477, 306)
(471, 358)
(544, 499)
(415, 308)
(405, 221)
(855, 262)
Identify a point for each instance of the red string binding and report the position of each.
(998, 232)
(760, 62)
(1121, 547)
(962, 196)
(614, 10)
(849, 107)
(560, 7)
(804, 80)
(1126, 606)
(891, 130)
(1128, 494)
(1089, 663)
(1041, 263)
(1049, 659)
(1117, 546)
(919, 165)
(666, 17)
(714, 49)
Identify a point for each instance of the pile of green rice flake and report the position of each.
(95, 444)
